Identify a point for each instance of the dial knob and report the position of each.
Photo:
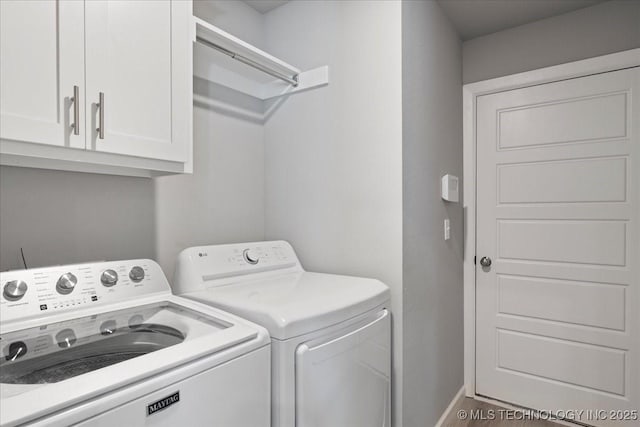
(15, 350)
(108, 327)
(66, 338)
(135, 321)
(66, 283)
(109, 278)
(250, 257)
(15, 289)
(136, 274)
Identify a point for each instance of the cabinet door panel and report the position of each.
(129, 59)
(41, 60)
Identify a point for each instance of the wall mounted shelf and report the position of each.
(229, 61)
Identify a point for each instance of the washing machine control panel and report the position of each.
(28, 293)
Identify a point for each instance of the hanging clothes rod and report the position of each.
(293, 81)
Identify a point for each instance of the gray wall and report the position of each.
(432, 267)
(69, 217)
(223, 201)
(609, 27)
(333, 155)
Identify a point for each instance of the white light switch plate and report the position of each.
(447, 229)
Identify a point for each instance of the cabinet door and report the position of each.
(130, 60)
(41, 60)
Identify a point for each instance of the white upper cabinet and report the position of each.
(42, 59)
(130, 62)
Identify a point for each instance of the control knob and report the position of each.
(66, 283)
(136, 274)
(66, 338)
(108, 327)
(15, 351)
(135, 321)
(15, 289)
(250, 257)
(109, 278)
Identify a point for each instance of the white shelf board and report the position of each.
(217, 36)
(217, 67)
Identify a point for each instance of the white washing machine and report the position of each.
(107, 344)
(330, 334)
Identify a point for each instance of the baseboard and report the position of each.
(452, 405)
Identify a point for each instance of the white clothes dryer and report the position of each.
(330, 334)
(107, 344)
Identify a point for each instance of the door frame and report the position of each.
(601, 64)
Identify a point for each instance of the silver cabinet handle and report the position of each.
(76, 110)
(100, 129)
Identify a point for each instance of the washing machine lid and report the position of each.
(294, 304)
(64, 361)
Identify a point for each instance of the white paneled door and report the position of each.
(42, 50)
(129, 78)
(558, 213)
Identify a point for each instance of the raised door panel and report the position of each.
(41, 60)
(129, 60)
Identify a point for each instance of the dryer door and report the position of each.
(345, 379)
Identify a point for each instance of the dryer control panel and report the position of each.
(203, 267)
(33, 292)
